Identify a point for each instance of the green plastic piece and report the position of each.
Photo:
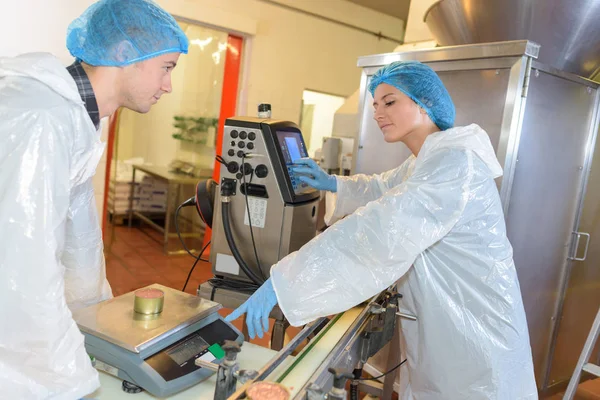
(216, 351)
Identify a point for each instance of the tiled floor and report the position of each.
(134, 259)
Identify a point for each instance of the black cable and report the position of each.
(232, 246)
(221, 160)
(238, 286)
(381, 376)
(179, 234)
(194, 266)
(250, 216)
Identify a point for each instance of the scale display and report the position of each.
(184, 352)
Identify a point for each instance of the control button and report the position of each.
(240, 153)
(243, 135)
(250, 146)
(233, 167)
(241, 145)
(231, 152)
(234, 134)
(239, 175)
(261, 171)
(233, 142)
(252, 136)
(246, 169)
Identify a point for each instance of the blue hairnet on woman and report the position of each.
(434, 227)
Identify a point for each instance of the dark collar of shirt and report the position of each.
(85, 91)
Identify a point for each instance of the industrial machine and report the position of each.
(337, 354)
(336, 155)
(156, 351)
(261, 211)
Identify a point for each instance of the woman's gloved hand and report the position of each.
(317, 178)
(257, 309)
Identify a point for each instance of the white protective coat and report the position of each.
(435, 226)
(51, 255)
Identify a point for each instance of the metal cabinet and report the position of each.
(543, 125)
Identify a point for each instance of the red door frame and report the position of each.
(233, 61)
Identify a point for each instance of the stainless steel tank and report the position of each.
(567, 30)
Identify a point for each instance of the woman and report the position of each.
(435, 226)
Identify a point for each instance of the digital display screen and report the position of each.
(188, 349)
(292, 148)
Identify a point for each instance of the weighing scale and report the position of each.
(156, 352)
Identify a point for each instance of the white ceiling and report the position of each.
(395, 8)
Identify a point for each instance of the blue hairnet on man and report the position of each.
(433, 228)
(51, 259)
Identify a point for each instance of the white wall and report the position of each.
(290, 51)
(416, 28)
(345, 121)
(322, 121)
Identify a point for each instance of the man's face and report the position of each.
(146, 81)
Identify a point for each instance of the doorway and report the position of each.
(171, 148)
(316, 119)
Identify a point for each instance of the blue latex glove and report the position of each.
(257, 309)
(317, 178)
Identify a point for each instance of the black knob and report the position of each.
(252, 136)
(240, 153)
(261, 171)
(241, 145)
(233, 142)
(339, 377)
(243, 135)
(263, 107)
(231, 348)
(233, 167)
(239, 175)
(234, 134)
(231, 152)
(246, 169)
(129, 387)
(250, 146)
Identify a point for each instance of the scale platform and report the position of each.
(156, 352)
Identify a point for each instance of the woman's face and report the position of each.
(395, 113)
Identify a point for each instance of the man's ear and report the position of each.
(125, 51)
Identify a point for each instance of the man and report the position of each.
(51, 259)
